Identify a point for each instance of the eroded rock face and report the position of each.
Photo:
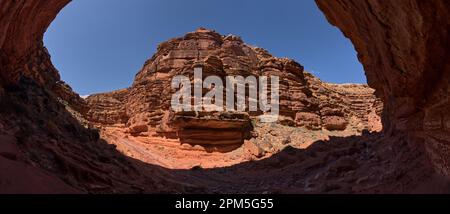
(22, 25)
(304, 100)
(46, 145)
(230, 128)
(404, 47)
(108, 108)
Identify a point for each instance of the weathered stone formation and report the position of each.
(22, 25)
(341, 106)
(404, 47)
(150, 95)
(304, 100)
(108, 108)
(212, 129)
(361, 102)
(22, 53)
(45, 146)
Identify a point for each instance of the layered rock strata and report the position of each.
(403, 45)
(305, 101)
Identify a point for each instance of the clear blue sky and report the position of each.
(99, 45)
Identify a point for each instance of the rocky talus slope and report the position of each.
(49, 144)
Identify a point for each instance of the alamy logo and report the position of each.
(237, 98)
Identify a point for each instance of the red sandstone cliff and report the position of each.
(403, 45)
(305, 101)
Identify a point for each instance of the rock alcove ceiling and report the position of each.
(402, 44)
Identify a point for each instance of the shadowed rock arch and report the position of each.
(403, 45)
